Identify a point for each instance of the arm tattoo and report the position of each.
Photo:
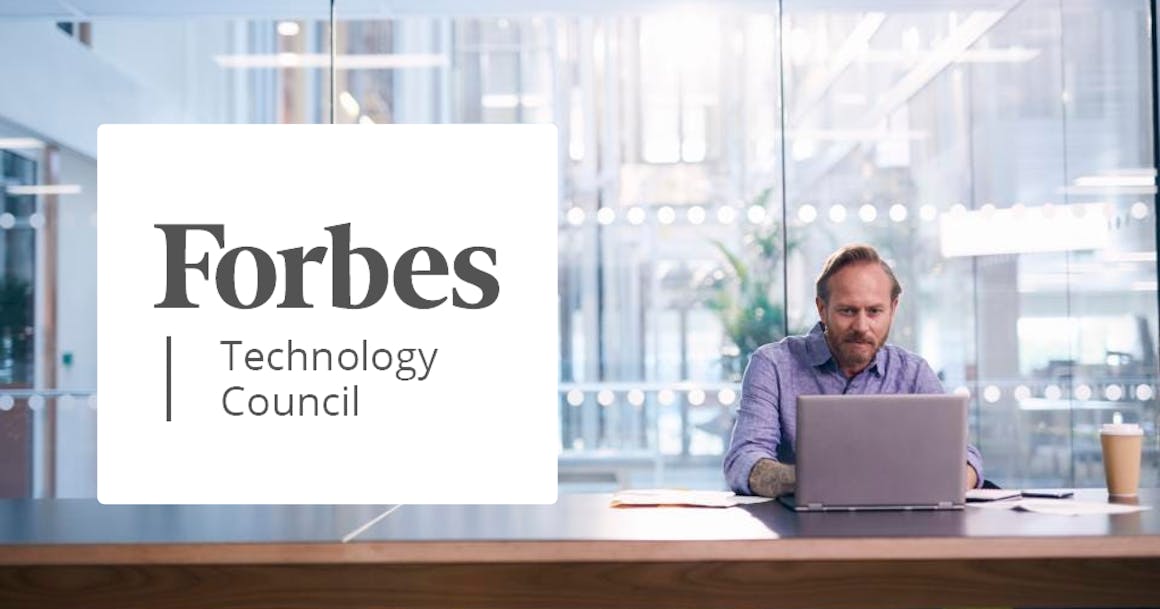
(771, 478)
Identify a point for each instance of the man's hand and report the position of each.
(972, 477)
(770, 478)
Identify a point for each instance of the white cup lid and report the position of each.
(1121, 429)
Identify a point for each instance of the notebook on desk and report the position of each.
(880, 452)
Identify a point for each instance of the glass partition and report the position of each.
(1000, 155)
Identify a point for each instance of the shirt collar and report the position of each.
(818, 351)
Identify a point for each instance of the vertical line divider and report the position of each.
(333, 42)
(784, 202)
(1153, 31)
(168, 379)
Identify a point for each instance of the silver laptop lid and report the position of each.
(881, 451)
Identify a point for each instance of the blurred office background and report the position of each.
(1000, 154)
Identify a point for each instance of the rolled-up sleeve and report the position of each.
(927, 382)
(757, 431)
(975, 460)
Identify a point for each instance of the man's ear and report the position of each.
(821, 308)
(894, 306)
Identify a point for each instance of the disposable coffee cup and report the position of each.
(1122, 444)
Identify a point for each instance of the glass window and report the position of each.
(1000, 157)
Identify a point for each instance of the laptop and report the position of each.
(880, 452)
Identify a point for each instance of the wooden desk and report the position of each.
(577, 553)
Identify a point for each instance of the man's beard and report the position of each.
(855, 348)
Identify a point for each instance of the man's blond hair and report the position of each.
(855, 253)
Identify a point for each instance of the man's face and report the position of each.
(858, 315)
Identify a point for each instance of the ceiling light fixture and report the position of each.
(44, 189)
(369, 61)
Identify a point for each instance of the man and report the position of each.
(846, 352)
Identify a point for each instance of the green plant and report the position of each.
(15, 329)
(745, 294)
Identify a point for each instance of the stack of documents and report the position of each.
(683, 498)
(992, 494)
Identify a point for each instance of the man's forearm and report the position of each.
(770, 478)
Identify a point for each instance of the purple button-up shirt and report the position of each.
(803, 365)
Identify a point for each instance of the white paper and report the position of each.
(682, 497)
(991, 494)
(1062, 507)
(1067, 507)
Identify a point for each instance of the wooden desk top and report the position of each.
(578, 528)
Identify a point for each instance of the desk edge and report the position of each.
(573, 551)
